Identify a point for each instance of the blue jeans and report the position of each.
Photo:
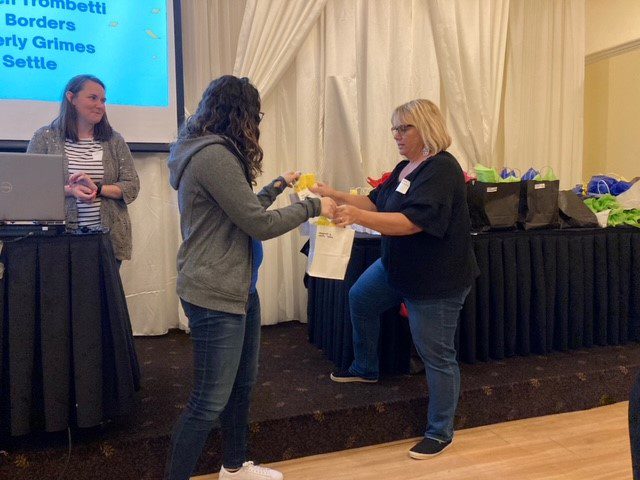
(433, 324)
(225, 356)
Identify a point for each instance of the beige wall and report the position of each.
(596, 108)
(610, 23)
(623, 139)
(612, 116)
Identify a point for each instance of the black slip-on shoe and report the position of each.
(427, 448)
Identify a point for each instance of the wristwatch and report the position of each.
(99, 190)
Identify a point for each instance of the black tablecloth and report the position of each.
(66, 346)
(329, 320)
(539, 290)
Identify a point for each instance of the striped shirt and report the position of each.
(86, 156)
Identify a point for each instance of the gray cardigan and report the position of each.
(219, 215)
(118, 170)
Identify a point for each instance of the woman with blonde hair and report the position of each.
(427, 262)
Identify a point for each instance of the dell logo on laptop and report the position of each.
(5, 187)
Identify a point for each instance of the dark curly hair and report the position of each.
(230, 107)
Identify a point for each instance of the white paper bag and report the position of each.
(603, 217)
(631, 198)
(329, 251)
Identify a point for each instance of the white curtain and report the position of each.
(271, 34)
(470, 40)
(507, 75)
(210, 30)
(544, 87)
(149, 278)
(377, 55)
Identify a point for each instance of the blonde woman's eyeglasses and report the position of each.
(400, 129)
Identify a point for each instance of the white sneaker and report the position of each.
(249, 471)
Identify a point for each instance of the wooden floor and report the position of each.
(592, 444)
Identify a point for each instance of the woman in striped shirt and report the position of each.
(102, 180)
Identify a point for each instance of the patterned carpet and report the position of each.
(298, 411)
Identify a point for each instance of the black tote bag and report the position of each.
(539, 204)
(493, 206)
(574, 213)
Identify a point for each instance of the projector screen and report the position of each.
(133, 46)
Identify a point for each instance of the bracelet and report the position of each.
(281, 184)
(99, 190)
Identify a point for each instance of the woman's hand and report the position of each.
(82, 187)
(82, 179)
(291, 177)
(328, 207)
(346, 215)
(323, 190)
(81, 192)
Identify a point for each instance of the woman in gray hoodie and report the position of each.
(213, 165)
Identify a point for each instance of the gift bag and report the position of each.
(300, 192)
(631, 198)
(573, 212)
(606, 184)
(602, 207)
(539, 204)
(302, 186)
(486, 174)
(531, 174)
(329, 251)
(603, 217)
(493, 206)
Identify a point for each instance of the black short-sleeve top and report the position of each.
(439, 260)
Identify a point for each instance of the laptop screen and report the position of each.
(31, 188)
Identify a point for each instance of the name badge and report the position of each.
(97, 156)
(403, 186)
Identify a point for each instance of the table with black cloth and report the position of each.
(66, 348)
(538, 291)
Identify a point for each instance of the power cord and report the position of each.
(15, 239)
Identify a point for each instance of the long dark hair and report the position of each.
(230, 106)
(66, 123)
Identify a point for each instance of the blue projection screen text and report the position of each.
(46, 42)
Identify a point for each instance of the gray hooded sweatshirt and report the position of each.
(219, 215)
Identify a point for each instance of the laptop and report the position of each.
(31, 189)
